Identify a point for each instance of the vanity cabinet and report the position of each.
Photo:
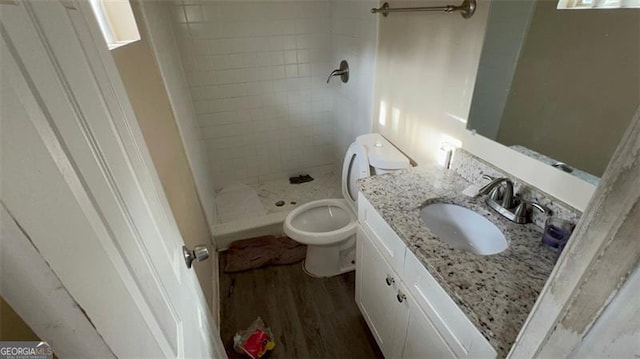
(400, 327)
(408, 312)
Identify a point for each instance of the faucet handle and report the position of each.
(538, 206)
(494, 182)
(336, 72)
(521, 209)
(496, 194)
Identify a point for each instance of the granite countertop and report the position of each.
(496, 292)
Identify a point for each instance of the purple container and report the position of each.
(556, 233)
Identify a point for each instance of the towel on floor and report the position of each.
(257, 252)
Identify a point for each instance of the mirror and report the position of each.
(558, 85)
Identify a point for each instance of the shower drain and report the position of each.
(280, 203)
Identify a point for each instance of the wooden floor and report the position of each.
(309, 317)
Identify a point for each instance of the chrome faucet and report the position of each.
(493, 190)
(502, 200)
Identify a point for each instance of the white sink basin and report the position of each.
(463, 228)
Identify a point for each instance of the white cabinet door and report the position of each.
(376, 285)
(421, 339)
(463, 338)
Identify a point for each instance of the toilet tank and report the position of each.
(383, 156)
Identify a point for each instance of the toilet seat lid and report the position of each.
(355, 166)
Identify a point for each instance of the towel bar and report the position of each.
(467, 8)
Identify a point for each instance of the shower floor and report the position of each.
(323, 186)
(246, 210)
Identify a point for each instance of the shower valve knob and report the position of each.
(343, 72)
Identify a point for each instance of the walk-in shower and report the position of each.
(247, 81)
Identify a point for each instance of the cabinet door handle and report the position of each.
(390, 280)
(401, 297)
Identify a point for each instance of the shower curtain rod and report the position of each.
(467, 8)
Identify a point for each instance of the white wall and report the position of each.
(354, 38)
(256, 72)
(158, 22)
(425, 75)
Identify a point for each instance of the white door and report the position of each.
(78, 179)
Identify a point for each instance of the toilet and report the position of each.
(328, 226)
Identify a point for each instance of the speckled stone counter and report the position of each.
(496, 292)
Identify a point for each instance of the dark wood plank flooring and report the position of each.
(309, 317)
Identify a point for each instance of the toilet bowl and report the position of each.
(328, 226)
(321, 223)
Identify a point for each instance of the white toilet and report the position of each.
(328, 226)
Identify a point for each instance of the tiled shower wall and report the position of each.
(257, 72)
(354, 37)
